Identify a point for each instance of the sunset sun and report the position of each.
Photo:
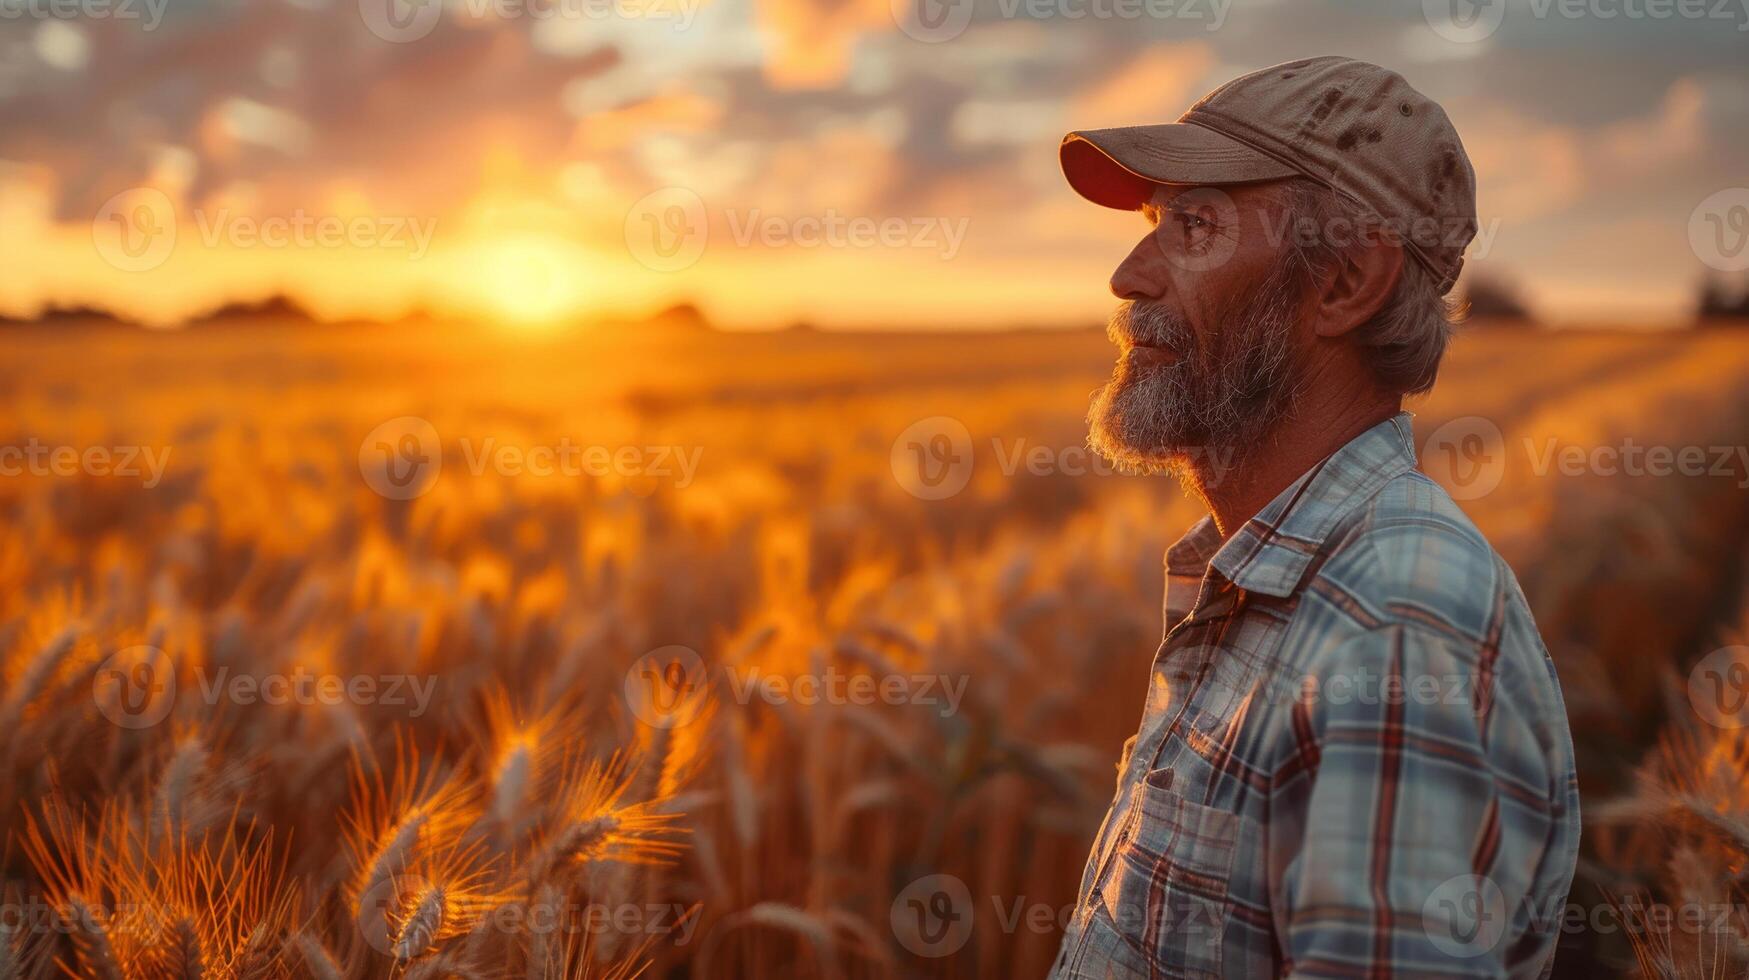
(531, 281)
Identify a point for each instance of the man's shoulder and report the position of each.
(1416, 580)
(1409, 556)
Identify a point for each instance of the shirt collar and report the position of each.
(1187, 562)
(1269, 554)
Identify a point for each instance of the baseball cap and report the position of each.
(1354, 127)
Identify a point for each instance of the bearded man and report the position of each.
(1353, 758)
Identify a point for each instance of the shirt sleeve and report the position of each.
(1410, 815)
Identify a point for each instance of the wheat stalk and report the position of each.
(580, 842)
(394, 853)
(543, 952)
(30, 683)
(510, 783)
(9, 968)
(170, 807)
(316, 958)
(260, 956)
(421, 926)
(91, 941)
(185, 958)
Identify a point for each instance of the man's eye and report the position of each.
(1187, 231)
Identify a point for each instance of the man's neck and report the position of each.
(1234, 490)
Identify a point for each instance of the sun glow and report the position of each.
(530, 281)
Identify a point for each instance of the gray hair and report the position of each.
(1408, 335)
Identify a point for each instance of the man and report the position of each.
(1353, 758)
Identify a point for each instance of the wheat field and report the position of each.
(713, 701)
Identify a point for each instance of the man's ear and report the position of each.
(1363, 279)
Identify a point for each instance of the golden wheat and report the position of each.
(550, 782)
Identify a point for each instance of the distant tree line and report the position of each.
(1493, 298)
(1721, 299)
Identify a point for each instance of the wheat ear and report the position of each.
(420, 929)
(316, 958)
(91, 942)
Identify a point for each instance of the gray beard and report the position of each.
(1211, 407)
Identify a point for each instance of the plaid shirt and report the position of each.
(1354, 758)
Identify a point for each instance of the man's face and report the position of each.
(1208, 338)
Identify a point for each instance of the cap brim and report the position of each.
(1119, 168)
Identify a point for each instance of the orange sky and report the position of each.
(774, 162)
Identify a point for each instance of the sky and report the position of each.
(854, 163)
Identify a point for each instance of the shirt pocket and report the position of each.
(1165, 890)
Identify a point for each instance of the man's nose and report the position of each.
(1142, 273)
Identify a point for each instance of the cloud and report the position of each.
(1528, 169)
(1524, 169)
(1156, 85)
(811, 43)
